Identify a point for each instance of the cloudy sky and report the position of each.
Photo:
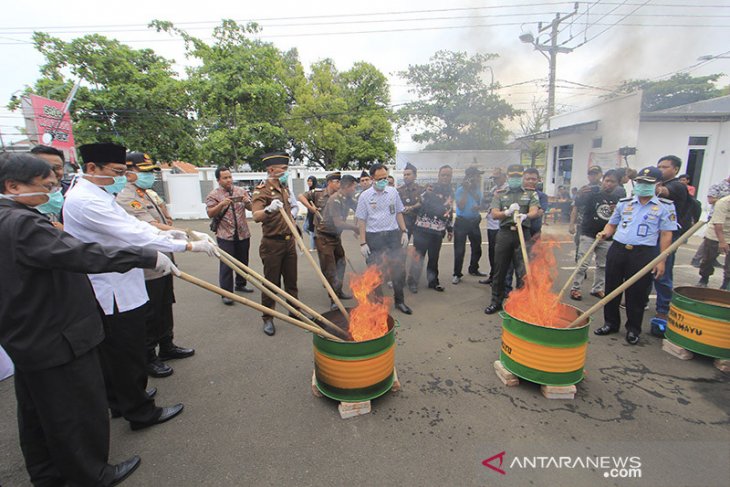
(613, 39)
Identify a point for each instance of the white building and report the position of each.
(698, 133)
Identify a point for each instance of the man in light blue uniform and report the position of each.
(636, 225)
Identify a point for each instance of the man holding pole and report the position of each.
(278, 248)
(410, 194)
(636, 225)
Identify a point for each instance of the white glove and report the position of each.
(165, 265)
(520, 217)
(274, 206)
(365, 250)
(204, 246)
(512, 208)
(404, 240)
(174, 234)
(203, 236)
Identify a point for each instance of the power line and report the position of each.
(613, 25)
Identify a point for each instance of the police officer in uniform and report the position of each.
(525, 204)
(410, 193)
(636, 225)
(316, 198)
(160, 322)
(329, 240)
(278, 247)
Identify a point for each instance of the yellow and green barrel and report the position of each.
(699, 321)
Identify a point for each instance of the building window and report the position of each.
(698, 140)
(597, 142)
(563, 165)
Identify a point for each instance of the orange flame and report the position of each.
(369, 320)
(535, 302)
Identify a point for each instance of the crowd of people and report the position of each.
(103, 244)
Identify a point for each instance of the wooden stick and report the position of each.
(259, 307)
(647, 268)
(305, 249)
(273, 287)
(278, 298)
(577, 268)
(523, 247)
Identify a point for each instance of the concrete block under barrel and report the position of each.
(545, 355)
(354, 371)
(699, 321)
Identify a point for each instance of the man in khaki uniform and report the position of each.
(316, 199)
(716, 243)
(278, 247)
(159, 323)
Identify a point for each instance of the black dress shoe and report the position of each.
(493, 308)
(334, 307)
(632, 338)
(244, 289)
(343, 295)
(486, 281)
(437, 287)
(413, 288)
(605, 330)
(269, 328)
(227, 301)
(174, 352)
(403, 308)
(477, 273)
(151, 392)
(158, 369)
(166, 415)
(124, 470)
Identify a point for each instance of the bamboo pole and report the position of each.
(647, 268)
(577, 267)
(278, 298)
(273, 287)
(305, 249)
(523, 247)
(259, 307)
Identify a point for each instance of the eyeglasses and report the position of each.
(120, 172)
(51, 188)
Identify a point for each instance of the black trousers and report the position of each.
(507, 253)
(123, 361)
(710, 252)
(239, 250)
(64, 423)
(425, 242)
(160, 320)
(621, 264)
(467, 228)
(492, 245)
(387, 253)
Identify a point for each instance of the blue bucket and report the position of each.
(658, 327)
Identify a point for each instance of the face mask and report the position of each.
(117, 186)
(644, 189)
(284, 178)
(381, 185)
(145, 180)
(53, 205)
(514, 183)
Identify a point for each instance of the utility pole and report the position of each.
(553, 50)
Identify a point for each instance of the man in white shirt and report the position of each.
(92, 215)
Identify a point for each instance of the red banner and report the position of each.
(48, 124)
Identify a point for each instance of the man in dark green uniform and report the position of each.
(410, 193)
(516, 206)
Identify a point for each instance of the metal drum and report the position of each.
(354, 371)
(548, 356)
(699, 320)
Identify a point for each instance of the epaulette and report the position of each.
(629, 198)
(666, 201)
(262, 185)
(318, 189)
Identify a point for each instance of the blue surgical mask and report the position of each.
(381, 184)
(644, 189)
(514, 183)
(117, 186)
(284, 178)
(53, 205)
(145, 180)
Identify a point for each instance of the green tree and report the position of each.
(343, 120)
(456, 109)
(129, 96)
(678, 90)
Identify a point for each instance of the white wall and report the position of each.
(185, 199)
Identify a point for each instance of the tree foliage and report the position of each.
(680, 89)
(129, 96)
(456, 108)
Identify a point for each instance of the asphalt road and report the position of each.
(250, 417)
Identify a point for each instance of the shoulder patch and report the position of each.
(256, 192)
(666, 201)
(135, 204)
(627, 199)
(261, 185)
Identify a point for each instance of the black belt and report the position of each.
(634, 247)
(278, 237)
(331, 235)
(469, 218)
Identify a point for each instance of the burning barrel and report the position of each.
(552, 356)
(699, 320)
(354, 371)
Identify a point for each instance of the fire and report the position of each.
(369, 320)
(536, 302)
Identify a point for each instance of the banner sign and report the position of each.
(48, 124)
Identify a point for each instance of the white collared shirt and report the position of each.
(379, 209)
(92, 215)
